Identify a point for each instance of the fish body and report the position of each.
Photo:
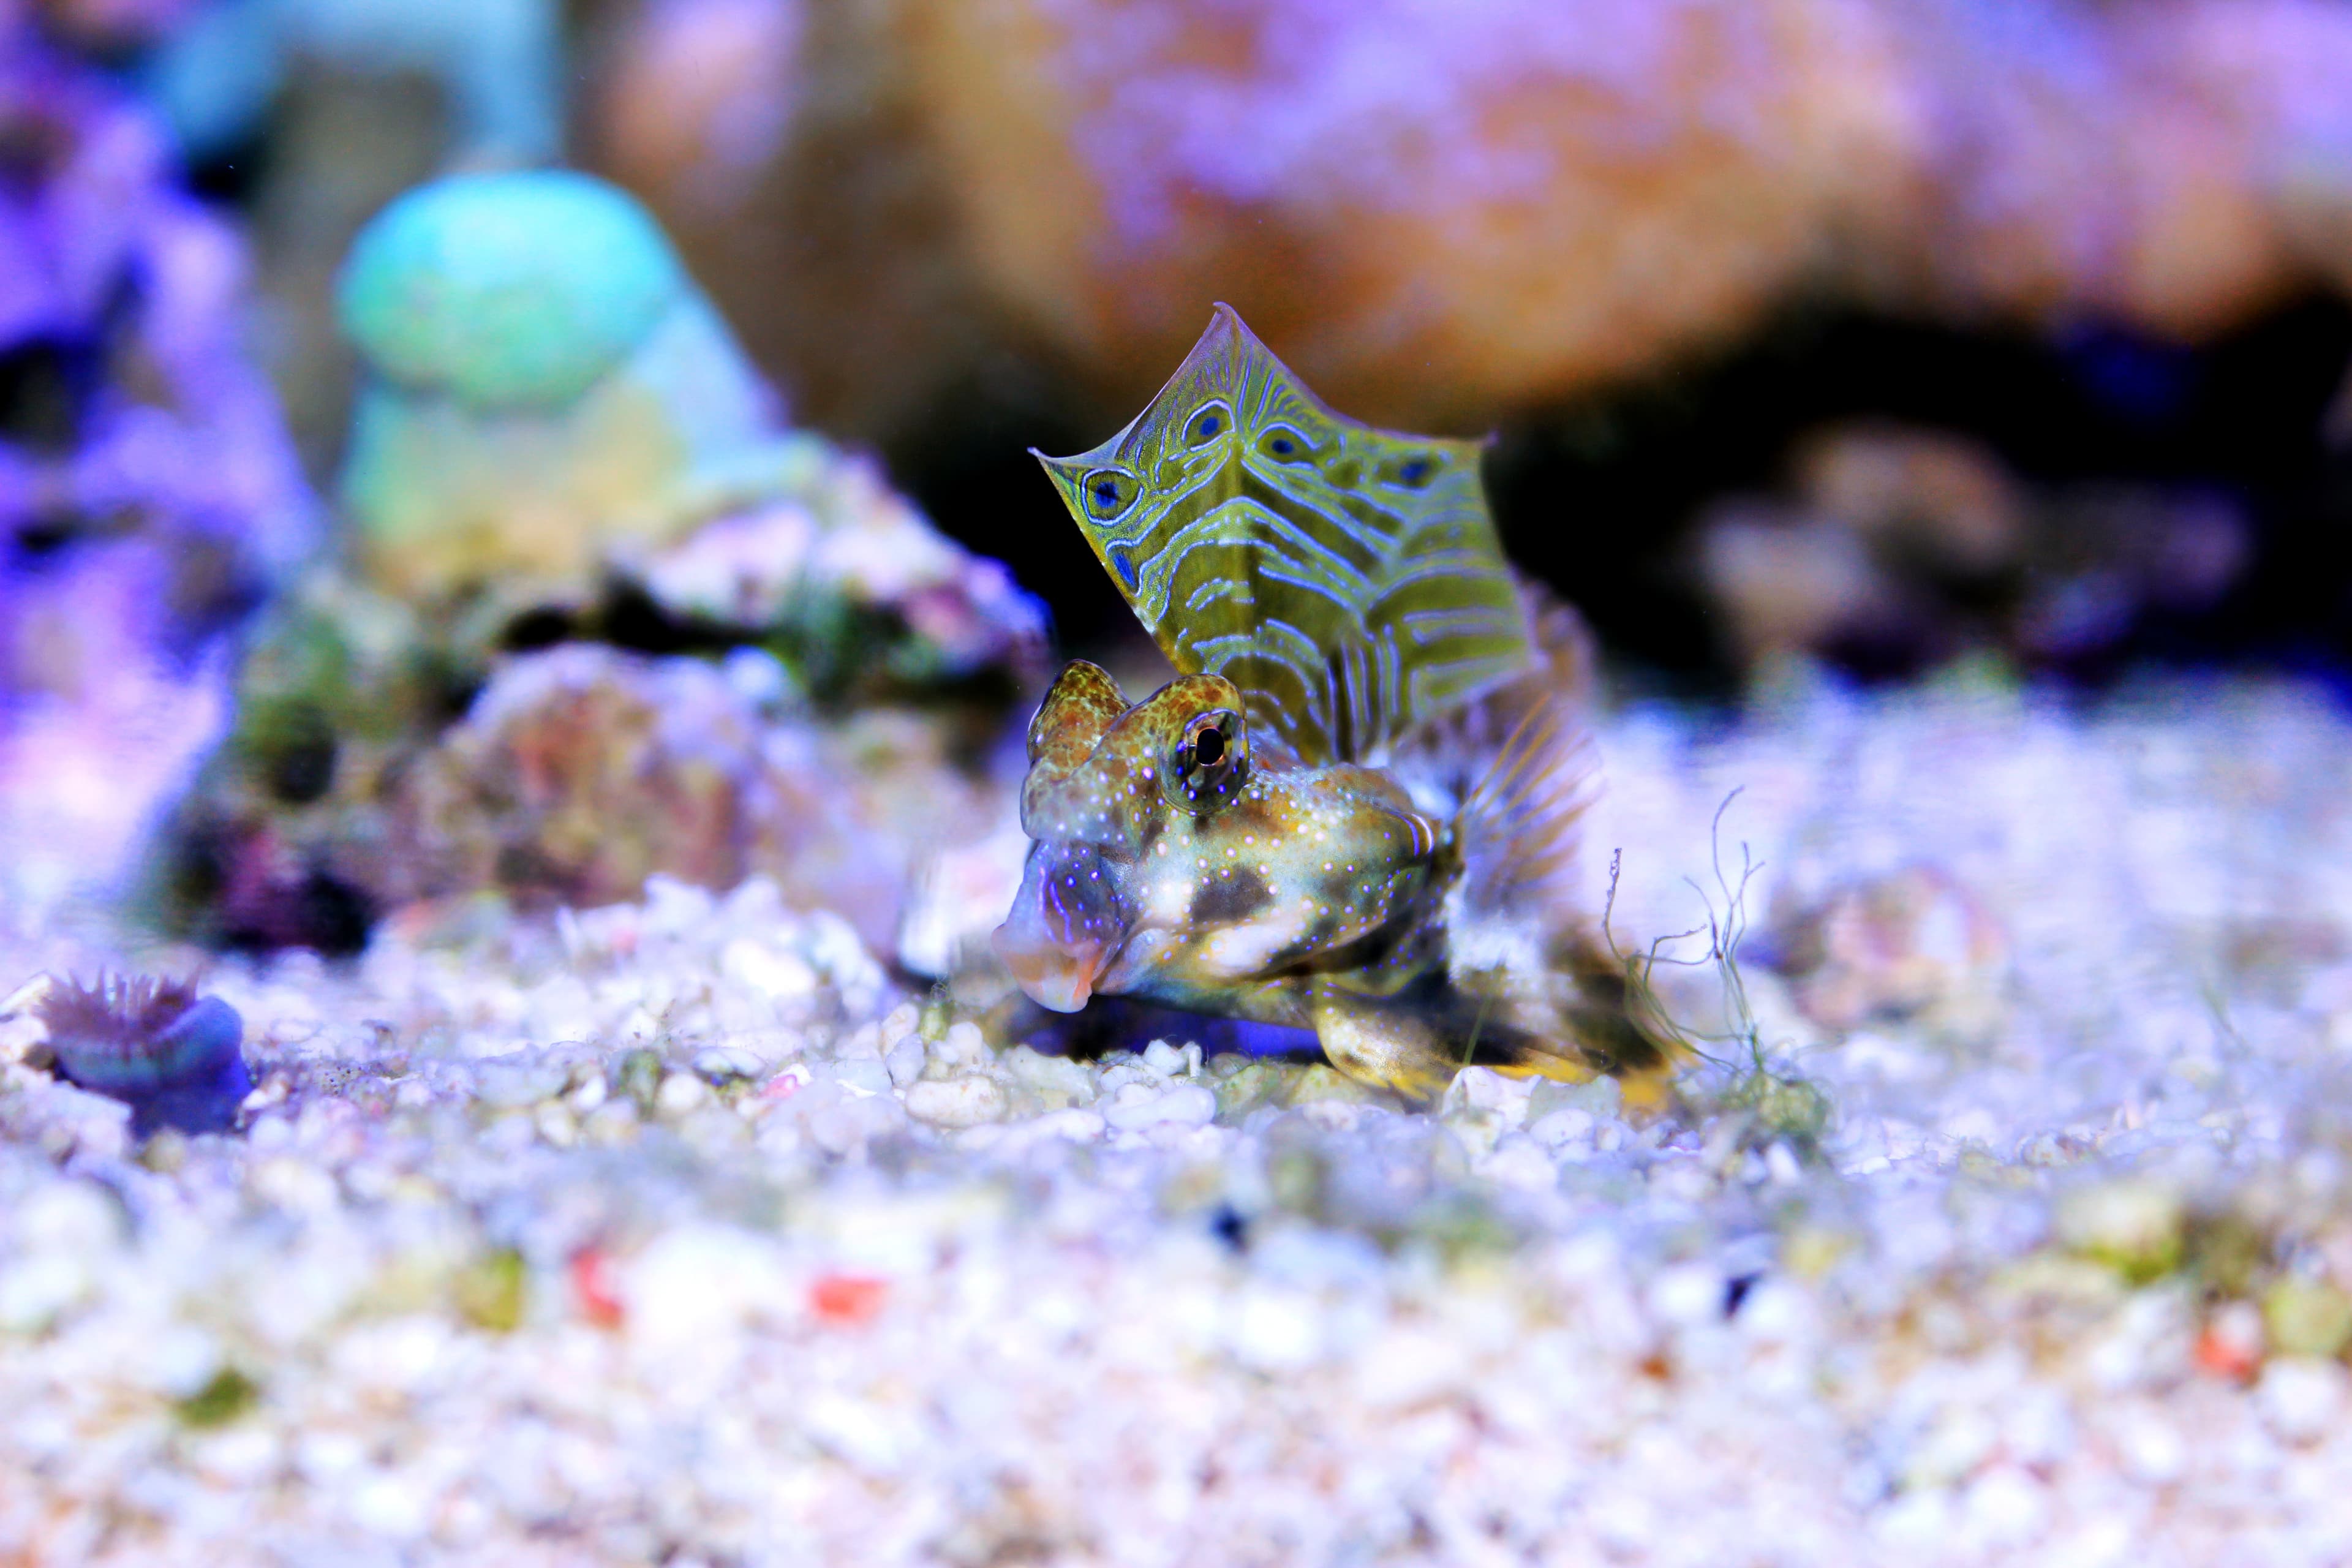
(1353, 810)
(1235, 885)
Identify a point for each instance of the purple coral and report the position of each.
(149, 493)
(170, 1055)
(116, 277)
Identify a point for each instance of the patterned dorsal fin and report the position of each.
(1346, 579)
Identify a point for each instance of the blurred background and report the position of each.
(342, 549)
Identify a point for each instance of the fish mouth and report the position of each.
(1057, 975)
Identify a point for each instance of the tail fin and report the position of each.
(1517, 912)
(1613, 1016)
(1592, 1015)
(1588, 1015)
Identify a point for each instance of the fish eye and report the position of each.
(1206, 425)
(1210, 761)
(1108, 492)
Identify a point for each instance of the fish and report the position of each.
(1355, 809)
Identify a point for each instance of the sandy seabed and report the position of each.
(675, 1231)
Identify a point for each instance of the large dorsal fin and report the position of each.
(1346, 579)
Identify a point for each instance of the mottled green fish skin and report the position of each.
(1223, 845)
(1218, 888)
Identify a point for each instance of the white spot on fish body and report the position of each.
(1238, 951)
(1170, 897)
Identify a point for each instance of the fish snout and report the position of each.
(1058, 975)
(1063, 926)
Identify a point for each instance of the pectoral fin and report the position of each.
(1386, 1044)
(1600, 1018)
(1601, 1021)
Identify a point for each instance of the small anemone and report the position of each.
(172, 1057)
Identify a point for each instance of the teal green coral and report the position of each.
(507, 290)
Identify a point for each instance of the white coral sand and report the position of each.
(675, 1231)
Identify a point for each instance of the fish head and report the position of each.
(1175, 859)
(1107, 785)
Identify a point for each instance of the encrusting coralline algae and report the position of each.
(676, 1228)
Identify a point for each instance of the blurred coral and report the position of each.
(1903, 547)
(314, 114)
(129, 395)
(844, 578)
(114, 25)
(386, 751)
(703, 95)
(541, 380)
(558, 442)
(553, 412)
(221, 63)
(1914, 944)
(1445, 212)
(582, 770)
(577, 773)
(788, 148)
(148, 496)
